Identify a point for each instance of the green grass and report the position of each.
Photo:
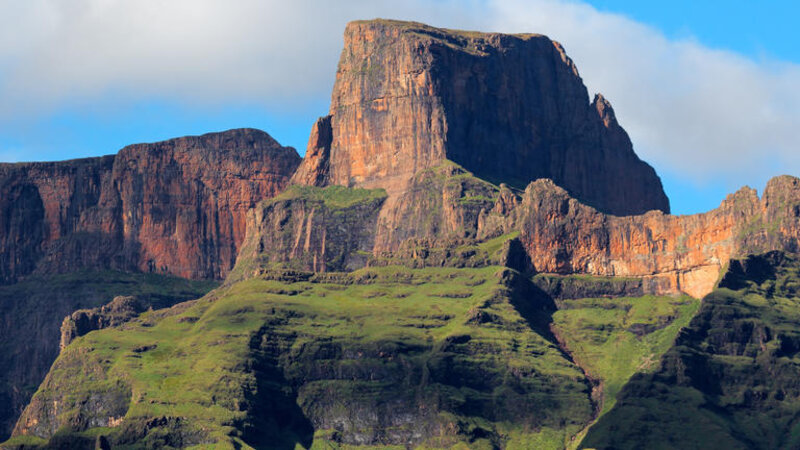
(333, 197)
(34, 308)
(730, 379)
(451, 341)
(614, 339)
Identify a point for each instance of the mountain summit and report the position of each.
(509, 108)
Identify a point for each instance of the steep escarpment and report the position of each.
(175, 207)
(447, 214)
(41, 203)
(509, 108)
(731, 378)
(453, 124)
(672, 253)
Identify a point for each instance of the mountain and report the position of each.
(174, 207)
(731, 378)
(470, 255)
(509, 108)
(70, 230)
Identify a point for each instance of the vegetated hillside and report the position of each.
(381, 356)
(377, 357)
(32, 311)
(732, 379)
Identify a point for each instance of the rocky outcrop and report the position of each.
(310, 228)
(118, 311)
(675, 253)
(509, 108)
(175, 207)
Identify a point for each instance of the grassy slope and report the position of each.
(612, 339)
(464, 351)
(729, 382)
(449, 326)
(32, 311)
(334, 197)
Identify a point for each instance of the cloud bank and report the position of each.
(704, 113)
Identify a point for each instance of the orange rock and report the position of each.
(174, 207)
(509, 108)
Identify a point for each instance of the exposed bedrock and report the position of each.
(175, 207)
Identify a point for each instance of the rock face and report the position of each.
(41, 206)
(673, 253)
(175, 207)
(446, 213)
(509, 108)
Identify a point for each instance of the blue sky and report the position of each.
(88, 78)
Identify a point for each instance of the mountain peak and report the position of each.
(509, 108)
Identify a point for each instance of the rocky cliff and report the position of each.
(509, 108)
(175, 207)
(446, 214)
(672, 253)
(452, 124)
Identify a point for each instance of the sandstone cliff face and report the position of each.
(447, 214)
(42, 203)
(174, 207)
(510, 108)
(677, 253)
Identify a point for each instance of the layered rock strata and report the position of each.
(175, 207)
(509, 108)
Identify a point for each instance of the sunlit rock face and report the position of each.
(509, 108)
(175, 207)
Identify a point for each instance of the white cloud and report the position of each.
(705, 113)
(197, 51)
